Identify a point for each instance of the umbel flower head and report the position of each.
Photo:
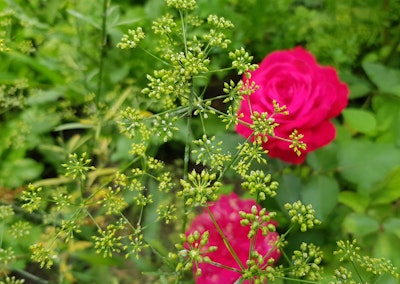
(312, 94)
(239, 232)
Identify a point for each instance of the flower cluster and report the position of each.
(350, 251)
(78, 167)
(306, 262)
(200, 188)
(3, 47)
(131, 39)
(302, 214)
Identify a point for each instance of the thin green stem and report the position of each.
(82, 185)
(103, 51)
(93, 220)
(155, 56)
(1, 234)
(189, 120)
(187, 157)
(357, 272)
(217, 264)
(203, 126)
(226, 242)
(295, 280)
(252, 245)
(249, 105)
(183, 24)
(221, 70)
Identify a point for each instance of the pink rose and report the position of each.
(313, 95)
(226, 213)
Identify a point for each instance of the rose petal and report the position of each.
(313, 95)
(226, 213)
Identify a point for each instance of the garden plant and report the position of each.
(196, 141)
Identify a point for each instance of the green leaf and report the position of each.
(359, 87)
(355, 201)
(359, 90)
(386, 79)
(41, 97)
(387, 246)
(122, 147)
(360, 225)
(387, 112)
(392, 225)
(73, 125)
(16, 173)
(359, 120)
(324, 159)
(230, 141)
(98, 261)
(84, 18)
(40, 121)
(390, 189)
(289, 189)
(35, 64)
(366, 163)
(153, 8)
(322, 193)
(212, 124)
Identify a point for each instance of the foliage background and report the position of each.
(63, 84)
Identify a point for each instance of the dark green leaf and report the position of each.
(289, 189)
(322, 193)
